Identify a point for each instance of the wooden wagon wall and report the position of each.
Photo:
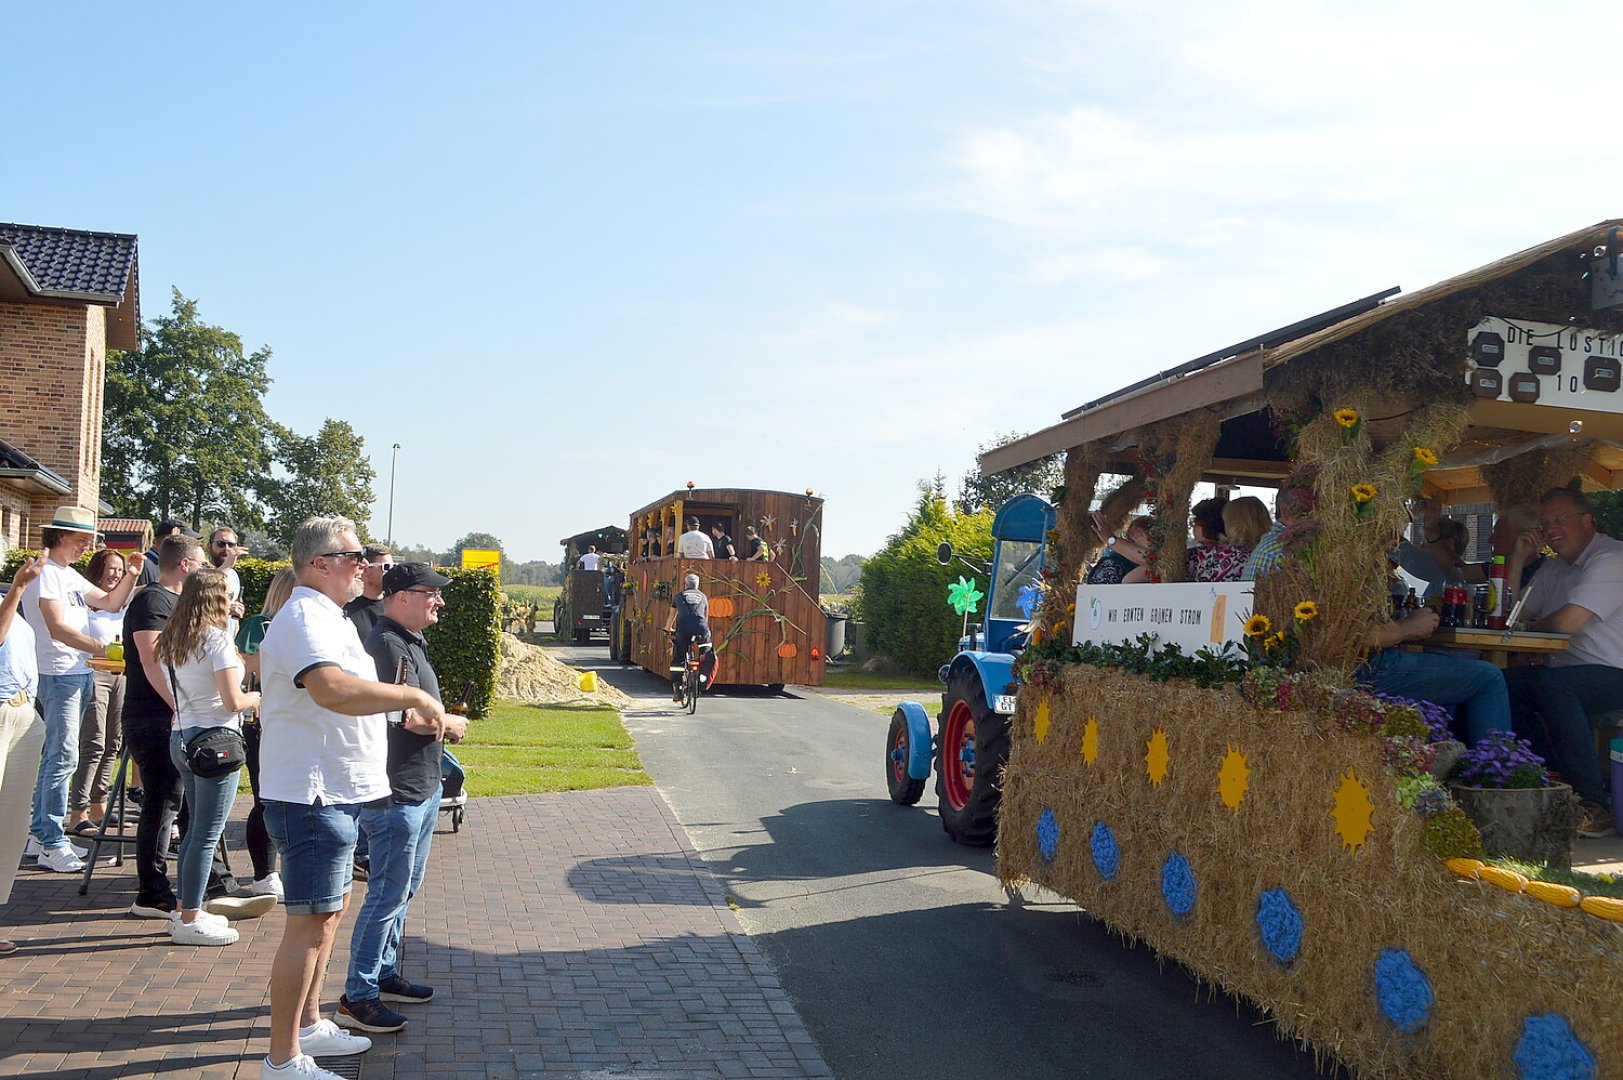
(763, 623)
(790, 523)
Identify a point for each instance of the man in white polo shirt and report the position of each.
(1579, 592)
(323, 755)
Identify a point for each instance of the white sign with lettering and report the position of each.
(1191, 615)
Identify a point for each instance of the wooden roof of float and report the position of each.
(1235, 386)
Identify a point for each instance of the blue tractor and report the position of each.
(971, 742)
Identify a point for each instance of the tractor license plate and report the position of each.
(591, 618)
(1005, 704)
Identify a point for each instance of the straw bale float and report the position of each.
(1222, 788)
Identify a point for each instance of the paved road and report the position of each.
(899, 948)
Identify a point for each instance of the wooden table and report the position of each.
(1497, 645)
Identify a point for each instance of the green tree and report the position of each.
(904, 588)
(327, 473)
(478, 541)
(977, 492)
(185, 430)
(1608, 508)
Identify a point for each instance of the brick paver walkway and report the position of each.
(572, 935)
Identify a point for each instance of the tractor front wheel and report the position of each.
(904, 790)
(973, 747)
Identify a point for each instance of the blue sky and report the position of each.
(573, 255)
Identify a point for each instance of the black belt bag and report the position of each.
(216, 751)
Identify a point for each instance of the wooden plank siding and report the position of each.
(765, 618)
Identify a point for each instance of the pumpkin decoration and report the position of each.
(788, 650)
(722, 607)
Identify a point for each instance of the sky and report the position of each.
(570, 256)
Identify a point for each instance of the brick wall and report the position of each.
(52, 371)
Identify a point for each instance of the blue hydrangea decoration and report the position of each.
(1106, 855)
(1026, 599)
(1403, 990)
(1550, 1051)
(1280, 924)
(1178, 885)
(1047, 835)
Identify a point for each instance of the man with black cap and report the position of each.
(401, 827)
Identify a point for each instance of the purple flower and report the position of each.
(1501, 761)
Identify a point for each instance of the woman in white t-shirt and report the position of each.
(205, 677)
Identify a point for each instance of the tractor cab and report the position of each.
(1019, 532)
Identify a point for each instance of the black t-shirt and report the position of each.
(1111, 568)
(724, 548)
(692, 612)
(148, 611)
(365, 614)
(757, 549)
(414, 760)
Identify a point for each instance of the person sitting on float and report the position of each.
(1124, 555)
(1295, 503)
(1517, 535)
(1439, 560)
(1244, 522)
(1445, 679)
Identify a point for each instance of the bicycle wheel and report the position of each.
(690, 688)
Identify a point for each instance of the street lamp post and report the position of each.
(393, 458)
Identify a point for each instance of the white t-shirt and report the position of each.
(1594, 582)
(587, 561)
(197, 695)
(307, 752)
(104, 626)
(67, 587)
(695, 545)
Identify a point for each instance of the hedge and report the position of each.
(904, 589)
(465, 645)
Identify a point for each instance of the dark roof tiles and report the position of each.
(92, 264)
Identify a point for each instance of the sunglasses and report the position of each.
(225, 543)
(358, 556)
(433, 594)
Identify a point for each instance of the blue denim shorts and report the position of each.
(317, 844)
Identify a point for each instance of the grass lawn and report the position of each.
(524, 749)
(541, 595)
(1588, 884)
(865, 680)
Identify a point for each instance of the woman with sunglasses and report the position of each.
(205, 678)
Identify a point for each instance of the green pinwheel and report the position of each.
(965, 597)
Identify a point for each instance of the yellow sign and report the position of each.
(474, 559)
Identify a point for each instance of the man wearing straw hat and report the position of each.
(57, 605)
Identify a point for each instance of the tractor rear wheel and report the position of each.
(973, 747)
(904, 790)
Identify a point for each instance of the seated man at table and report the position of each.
(1440, 678)
(1579, 593)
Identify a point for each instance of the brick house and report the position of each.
(66, 297)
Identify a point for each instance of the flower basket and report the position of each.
(1535, 824)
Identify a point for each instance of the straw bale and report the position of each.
(1521, 480)
(1178, 450)
(1083, 467)
(1492, 958)
(531, 673)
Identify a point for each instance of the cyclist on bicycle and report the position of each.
(689, 623)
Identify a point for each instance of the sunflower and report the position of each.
(1363, 493)
(1424, 457)
(1276, 639)
(1307, 611)
(1257, 626)
(1346, 417)
(763, 580)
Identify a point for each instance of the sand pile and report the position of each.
(531, 673)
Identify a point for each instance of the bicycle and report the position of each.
(691, 680)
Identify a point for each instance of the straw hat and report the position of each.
(74, 519)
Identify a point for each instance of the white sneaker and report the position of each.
(32, 849)
(327, 1039)
(302, 1067)
(203, 916)
(269, 885)
(201, 932)
(61, 859)
(239, 907)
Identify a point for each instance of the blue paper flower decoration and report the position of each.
(1280, 924)
(1106, 856)
(1026, 599)
(1403, 991)
(1047, 835)
(1549, 1050)
(1178, 885)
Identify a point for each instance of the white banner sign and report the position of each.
(1191, 615)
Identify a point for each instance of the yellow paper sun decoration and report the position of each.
(1233, 779)
(1354, 813)
(1090, 741)
(1040, 722)
(1157, 757)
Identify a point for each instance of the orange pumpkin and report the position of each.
(721, 607)
(788, 650)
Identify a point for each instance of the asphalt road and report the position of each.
(899, 948)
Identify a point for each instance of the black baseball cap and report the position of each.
(405, 575)
(170, 525)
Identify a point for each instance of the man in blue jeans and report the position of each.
(1580, 593)
(1435, 677)
(400, 828)
(57, 605)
